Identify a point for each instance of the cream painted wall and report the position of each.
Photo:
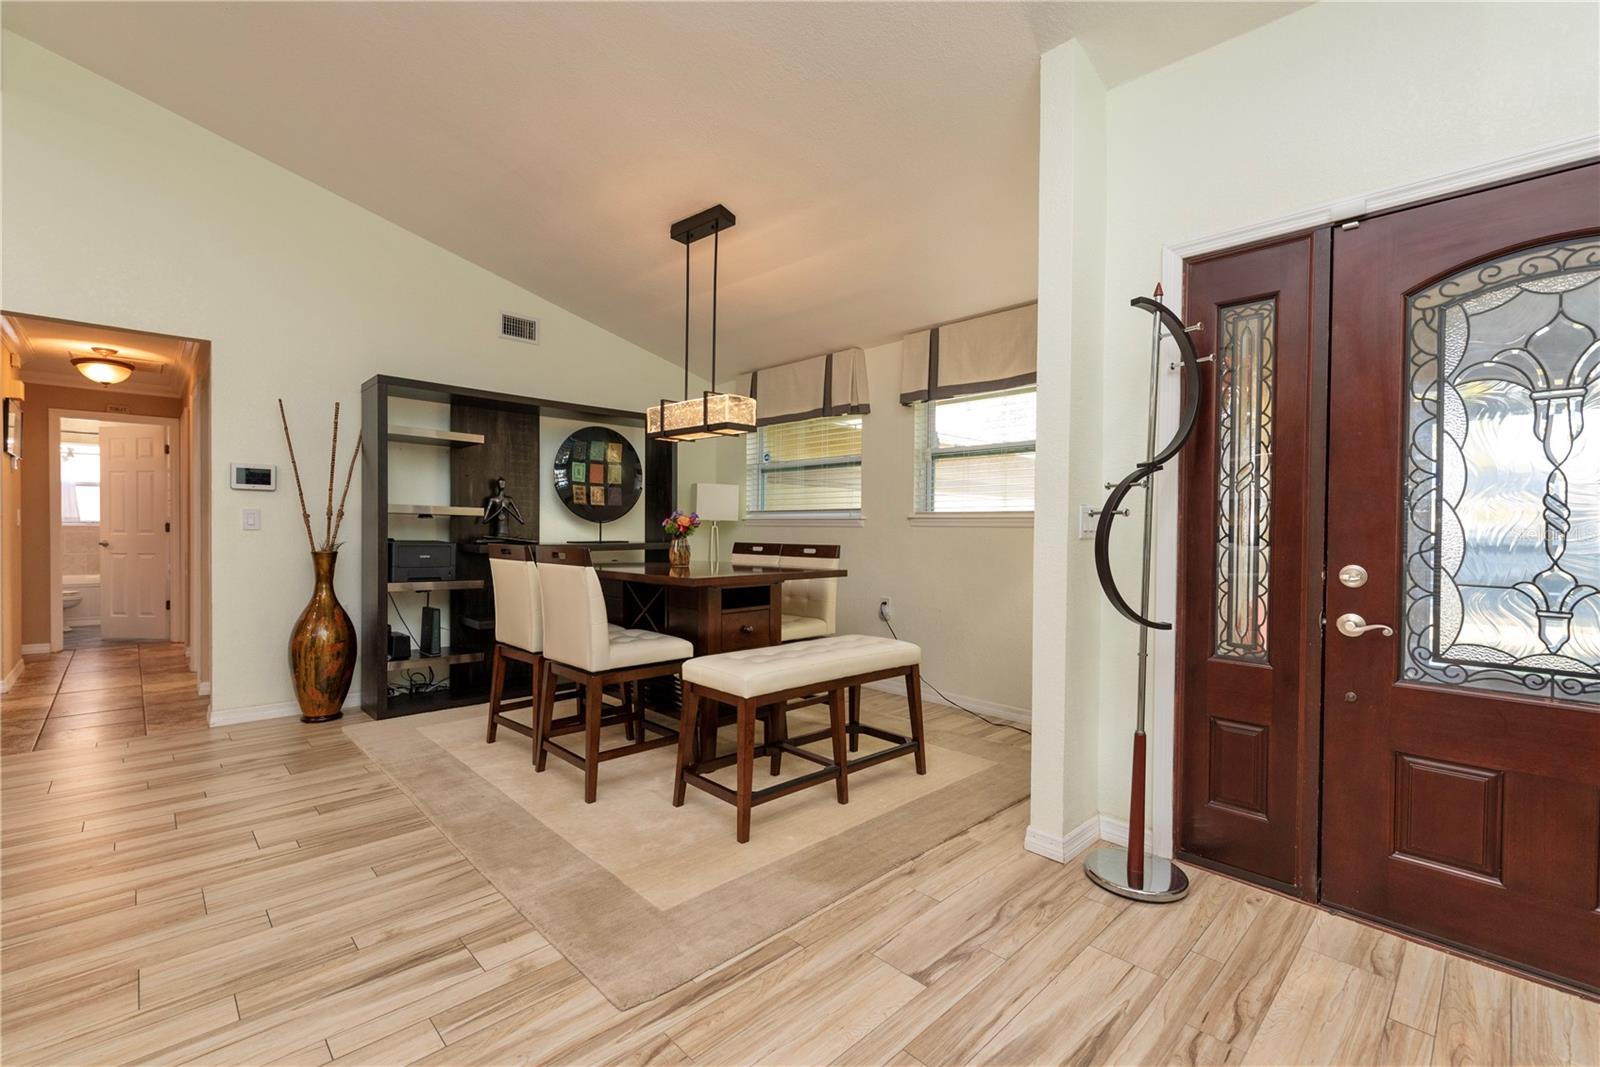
(963, 593)
(1072, 238)
(1330, 103)
(117, 211)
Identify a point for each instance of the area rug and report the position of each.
(642, 896)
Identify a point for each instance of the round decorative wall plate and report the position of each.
(598, 475)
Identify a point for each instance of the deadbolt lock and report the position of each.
(1353, 575)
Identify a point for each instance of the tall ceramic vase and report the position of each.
(322, 648)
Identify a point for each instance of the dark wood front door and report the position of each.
(1249, 598)
(1461, 740)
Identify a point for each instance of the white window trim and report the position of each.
(804, 518)
(971, 518)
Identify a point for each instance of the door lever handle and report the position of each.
(105, 544)
(1352, 625)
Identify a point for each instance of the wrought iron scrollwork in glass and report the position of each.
(1245, 358)
(1502, 554)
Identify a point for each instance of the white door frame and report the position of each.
(1163, 652)
(177, 618)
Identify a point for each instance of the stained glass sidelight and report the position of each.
(1244, 477)
(1502, 554)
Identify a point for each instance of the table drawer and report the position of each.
(746, 629)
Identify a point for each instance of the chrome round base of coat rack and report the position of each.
(1163, 881)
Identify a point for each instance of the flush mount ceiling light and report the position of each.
(712, 414)
(101, 368)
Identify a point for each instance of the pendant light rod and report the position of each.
(715, 244)
(686, 320)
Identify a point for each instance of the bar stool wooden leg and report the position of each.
(544, 709)
(686, 724)
(855, 717)
(841, 756)
(914, 702)
(627, 712)
(497, 681)
(593, 706)
(708, 734)
(777, 734)
(747, 759)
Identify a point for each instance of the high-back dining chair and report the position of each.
(810, 605)
(518, 628)
(756, 553)
(581, 647)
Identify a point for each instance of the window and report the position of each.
(813, 465)
(80, 481)
(975, 453)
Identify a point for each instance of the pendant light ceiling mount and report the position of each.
(103, 368)
(713, 414)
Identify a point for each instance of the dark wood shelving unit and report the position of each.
(491, 435)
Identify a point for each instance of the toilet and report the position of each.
(70, 598)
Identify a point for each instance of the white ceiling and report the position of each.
(881, 157)
(161, 364)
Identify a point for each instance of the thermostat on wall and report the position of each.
(244, 476)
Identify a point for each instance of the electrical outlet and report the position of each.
(885, 609)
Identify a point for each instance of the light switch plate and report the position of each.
(252, 518)
(1086, 522)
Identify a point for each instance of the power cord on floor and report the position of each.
(955, 704)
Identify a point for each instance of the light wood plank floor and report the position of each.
(264, 894)
(100, 691)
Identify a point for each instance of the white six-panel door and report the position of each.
(133, 531)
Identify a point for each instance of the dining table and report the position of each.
(715, 605)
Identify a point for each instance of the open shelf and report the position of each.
(421, 435)
(428, 511)
(433, 587)
(450, 655)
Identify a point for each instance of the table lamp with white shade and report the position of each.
(716, 502)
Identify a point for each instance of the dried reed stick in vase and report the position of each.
(338, 518)
(305, 516)
(333, 456)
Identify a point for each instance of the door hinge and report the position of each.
(166, 450)
(169, 605)
(169, 527)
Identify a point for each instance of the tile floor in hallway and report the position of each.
(103, 692)
(265, 893)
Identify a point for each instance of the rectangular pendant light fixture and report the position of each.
(712, 414)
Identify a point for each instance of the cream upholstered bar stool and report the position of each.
(518, 630)
(810, 605)
(581, 647)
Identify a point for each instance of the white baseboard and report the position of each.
(1064, 847)
(259, 712)
(41, 649)
(1107, 828)
(11, 676)
(1003, 712)
(76, 623)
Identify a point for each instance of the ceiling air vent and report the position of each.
(518, 328)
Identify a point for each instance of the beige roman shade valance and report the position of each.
(978, 355)
(834, 384)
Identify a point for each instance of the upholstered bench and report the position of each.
(756, 677)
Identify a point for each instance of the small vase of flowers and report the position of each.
(679, 525)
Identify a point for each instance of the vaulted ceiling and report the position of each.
(881, 157)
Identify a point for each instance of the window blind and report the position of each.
(811, 465)
(976, 453)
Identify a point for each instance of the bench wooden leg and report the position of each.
(747, 759)
(914, 702)
(777, 734)
(544, 709)
(708, 733)
(686, 724)
(841, 755)
(855, 717)
(627, 712)
(593, 707)
(497, 681)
